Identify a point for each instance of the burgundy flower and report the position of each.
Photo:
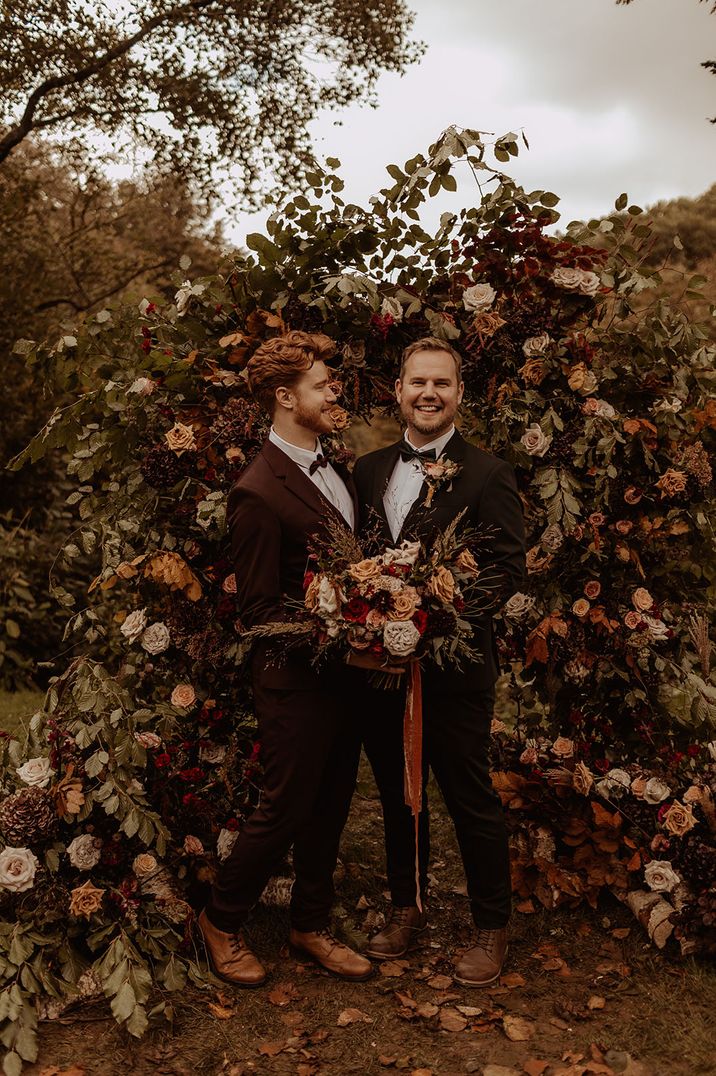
(356, 610)
(420, 619)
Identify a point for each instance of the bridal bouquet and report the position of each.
(407, 603)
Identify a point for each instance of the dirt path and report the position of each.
(582, 993)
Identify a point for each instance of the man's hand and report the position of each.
(363, 660)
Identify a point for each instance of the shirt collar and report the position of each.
(438, 444)
(304, 457)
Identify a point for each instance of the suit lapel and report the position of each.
(299, 484)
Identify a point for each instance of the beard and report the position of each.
(315, 419)
(429, 424)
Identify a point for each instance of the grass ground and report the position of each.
(583, 992)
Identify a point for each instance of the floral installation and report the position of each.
(577, 371)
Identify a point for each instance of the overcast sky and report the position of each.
(610, 98)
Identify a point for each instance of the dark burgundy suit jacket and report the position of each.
(272, 511)
(486, 487)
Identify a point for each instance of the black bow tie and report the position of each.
(320, 461)
(407, 452)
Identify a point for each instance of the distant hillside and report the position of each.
(693, 220)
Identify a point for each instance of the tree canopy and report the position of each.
(200, 85)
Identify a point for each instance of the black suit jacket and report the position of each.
(486, 487)
(272, 511)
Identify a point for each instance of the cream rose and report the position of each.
(213, 753)
(580, 280)
(225, 842)
(516, 607)
(375, 620)
(656, 790)
(478, 298)
(183, 696)
(392, 307)
(660, 876)
(328, 601)
(85, 899)
(679, 819)
(142, 386)
(149, 740)
(535, 440)
(134, 624)
(642, 600)
(406, 553)
(84, 851)
(400, 638)
(671, 407)
(18, 867)
(536, 345)
(36, 772)
(657, 629)
(581, 607)
(193, 846)
(615, 783)
(441, 584)
(552, 538)
(156, 639)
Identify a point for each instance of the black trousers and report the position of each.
(456, 738)
(310, 746)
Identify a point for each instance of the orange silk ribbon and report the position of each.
(413, 755)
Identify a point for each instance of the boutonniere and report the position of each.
(438, 473)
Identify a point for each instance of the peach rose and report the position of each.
(229, 584)
(597, 519)
(534, 371)
(622, 552)
(180, 438)
(679, 819)
(144, 864)
(442, 584)
(375, 620)
(632, 620)
(193, 846)
(642, 600)
(592, 589)
(341, 418)
(637, 787)
(582, 779)
(671, 483)
(623, 526)
(183, 695)
(467, 563)
(529, 756)
(85, 900)
(404, 604)
(563, 747)
(537, 562)
(632, 495)
(487, 324)
(581, 607)
(148, 740)
(536, 345)
(363, 570)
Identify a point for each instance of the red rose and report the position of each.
(420, 619)
(232, 824)
(308, 579)
(161, 761)
(356, 610)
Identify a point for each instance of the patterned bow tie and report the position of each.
(407, 452)
(320, 461)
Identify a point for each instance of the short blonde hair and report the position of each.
(281, 361)
(431, 343)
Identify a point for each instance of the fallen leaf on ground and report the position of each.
(440, 982)
(513, 979)
(271, 1049)
(517, 1028)
(422, 1072)
(499, 1070)
(469, 1010)
(282, 994)
(292, 1019)
(452, 1020)
(386, 1061)
(620, 933)
(555, 1021)
(73, 1070)
(526, 907)
(596, 1002)
(362, 904)
(220, 1011)
(553, 964)
(392, 968)
(353, 1016)
(406, 1000)
(535, 1067)
(427, 1009)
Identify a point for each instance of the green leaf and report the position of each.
(12, 628)
(12, 1064)
(124, 1002)
(621, 202)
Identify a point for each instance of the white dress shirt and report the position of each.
(325, 478)
(405, 483)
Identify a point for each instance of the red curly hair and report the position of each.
(281, 361)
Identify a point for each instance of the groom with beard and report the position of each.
(310, 743)
(457, 705)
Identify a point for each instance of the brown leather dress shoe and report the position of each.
(324, 949)
(482, 964)
(399, 933)
(230, 956)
